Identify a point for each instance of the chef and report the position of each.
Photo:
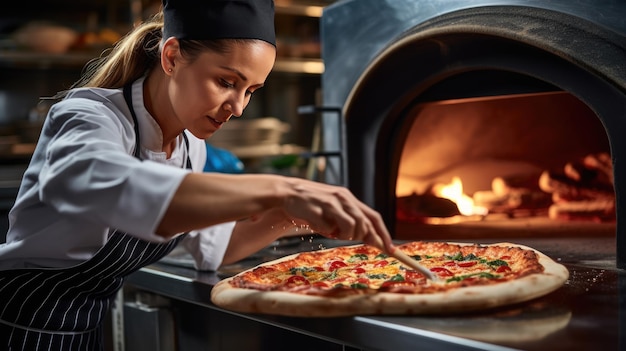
(116, 181)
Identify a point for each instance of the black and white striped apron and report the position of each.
(64, 309)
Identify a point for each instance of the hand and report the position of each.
(335, 212)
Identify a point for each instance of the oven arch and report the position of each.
(440, 58)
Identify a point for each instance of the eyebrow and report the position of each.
(243, 77)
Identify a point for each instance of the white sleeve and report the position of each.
(207, 246)
(88, 172)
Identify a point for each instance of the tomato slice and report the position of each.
(358, 270)
(502, 269)
(322, 285)
(363, 280)
(413, 275)
(381, 263)
(362, 249)
(466, 264)
(442, 271)
(297, 280)
(334, 265)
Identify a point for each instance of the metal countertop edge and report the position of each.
(351, 331)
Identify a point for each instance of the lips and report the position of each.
(215, 122)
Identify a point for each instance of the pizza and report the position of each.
(362, 280)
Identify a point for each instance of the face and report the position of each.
(207, 92)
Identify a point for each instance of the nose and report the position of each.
(236, 104)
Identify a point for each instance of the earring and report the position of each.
(169, 69)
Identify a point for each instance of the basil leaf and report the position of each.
(397, 278)
(470, 257)
(330, 276)
(303, 270)
(357, 257)
(497, 263)
(456, 257)
(459, 257)
(377, 276)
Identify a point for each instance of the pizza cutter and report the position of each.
(407, 260)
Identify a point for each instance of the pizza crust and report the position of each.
(464, 299)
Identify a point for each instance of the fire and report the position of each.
(453, 191)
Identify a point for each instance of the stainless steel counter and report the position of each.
(588, 312)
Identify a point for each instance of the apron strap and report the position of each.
(129, 102)
(127, 90)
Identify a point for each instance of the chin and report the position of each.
(202, 134)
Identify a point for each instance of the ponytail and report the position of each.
(131, 57)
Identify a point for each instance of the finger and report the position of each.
(357, 220)
(340, 225)
(347, 217)
(379, 235)
(325, 227)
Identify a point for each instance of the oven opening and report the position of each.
(487, 99)
(524, 164)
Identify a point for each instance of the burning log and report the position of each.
(564, 188)
(595, 167)
(583, 190)
(417, 208)
(510, 194)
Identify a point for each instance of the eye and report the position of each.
(226, 83)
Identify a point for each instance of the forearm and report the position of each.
(253, 234)
(205, 199)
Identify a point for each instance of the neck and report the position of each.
(155, 99)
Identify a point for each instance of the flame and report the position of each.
(453, 191)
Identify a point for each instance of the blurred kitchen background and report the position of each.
(45, 45)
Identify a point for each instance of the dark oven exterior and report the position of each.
(384, 57)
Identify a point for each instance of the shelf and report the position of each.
(290, 65)
(299, 10)
(260, 151)
(37, 60)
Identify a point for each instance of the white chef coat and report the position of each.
(83, 180)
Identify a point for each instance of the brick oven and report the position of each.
(492, 93)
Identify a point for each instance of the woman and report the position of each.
(116, 178)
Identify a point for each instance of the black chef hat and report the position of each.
(219, 19)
